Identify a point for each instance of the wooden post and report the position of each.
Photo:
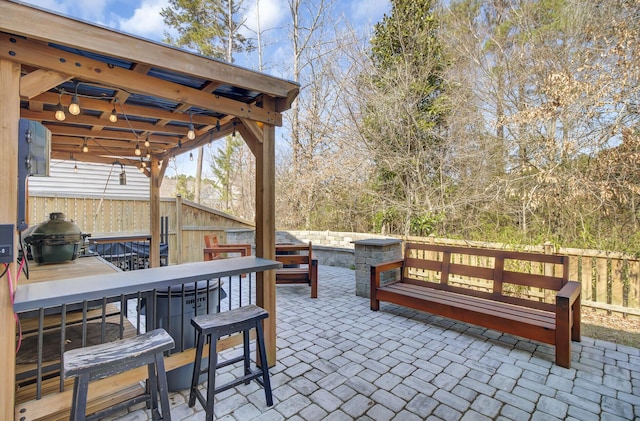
(266, 228)
(178, 229)
(9, 117)
(154, 213)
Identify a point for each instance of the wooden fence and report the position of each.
(188, 221)
(610, 280)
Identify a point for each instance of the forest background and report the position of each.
(514, 121)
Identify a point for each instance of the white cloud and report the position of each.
(146, 20)
(90, 11)
(272, 13)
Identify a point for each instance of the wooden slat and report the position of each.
(617, 283)
(587, 278)
(601, 280)
(633, 294)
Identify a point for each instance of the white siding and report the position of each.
(89, 181)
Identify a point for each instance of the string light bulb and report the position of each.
(191, 133)
(148, 154)
(218, 125)
(114, 116)
(190, 156)
(60, 115)
(146, 141)
(85, 148)
(74, 107)
(75, 168)
(233, 133)
(138, 152)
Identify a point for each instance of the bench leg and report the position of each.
(563, 333)
(575, 328)
(314, 279)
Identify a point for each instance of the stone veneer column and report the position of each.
(371, 252)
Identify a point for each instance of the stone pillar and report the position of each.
(371, 252)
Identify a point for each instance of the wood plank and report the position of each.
(40, 81)
(586, 278)
(633, 294)
(617, 282)
(71, 269)
(601, 280)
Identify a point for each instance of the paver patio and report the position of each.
(337, 360)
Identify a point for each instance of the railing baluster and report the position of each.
(85, 306)
(40, 346)
(103, 325)
(63, 340)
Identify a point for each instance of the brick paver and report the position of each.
(337, 360)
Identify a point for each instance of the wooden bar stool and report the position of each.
(99, 361)
(241, 319)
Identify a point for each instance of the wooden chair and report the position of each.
(299, 266)
(214, 250)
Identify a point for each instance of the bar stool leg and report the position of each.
(264, 364)
(163, 388)
(79, 400)
(152, 385)
(197, 367)
(211, 378)
(247, 360)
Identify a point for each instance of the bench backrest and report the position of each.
(220, 251)
(294, 255)
(523, 278)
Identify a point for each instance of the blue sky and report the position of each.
(142, 17)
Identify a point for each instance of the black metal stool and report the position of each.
(99, 361)
(241, 319)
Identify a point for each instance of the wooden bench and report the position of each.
(524, 294)
(299, 266)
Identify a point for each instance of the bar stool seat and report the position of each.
(100, 361)
(216, 325)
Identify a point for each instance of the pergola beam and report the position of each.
(44, 56)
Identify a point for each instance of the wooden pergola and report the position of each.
(166, 102)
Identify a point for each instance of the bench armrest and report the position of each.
(569, 292)
(376, 270)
